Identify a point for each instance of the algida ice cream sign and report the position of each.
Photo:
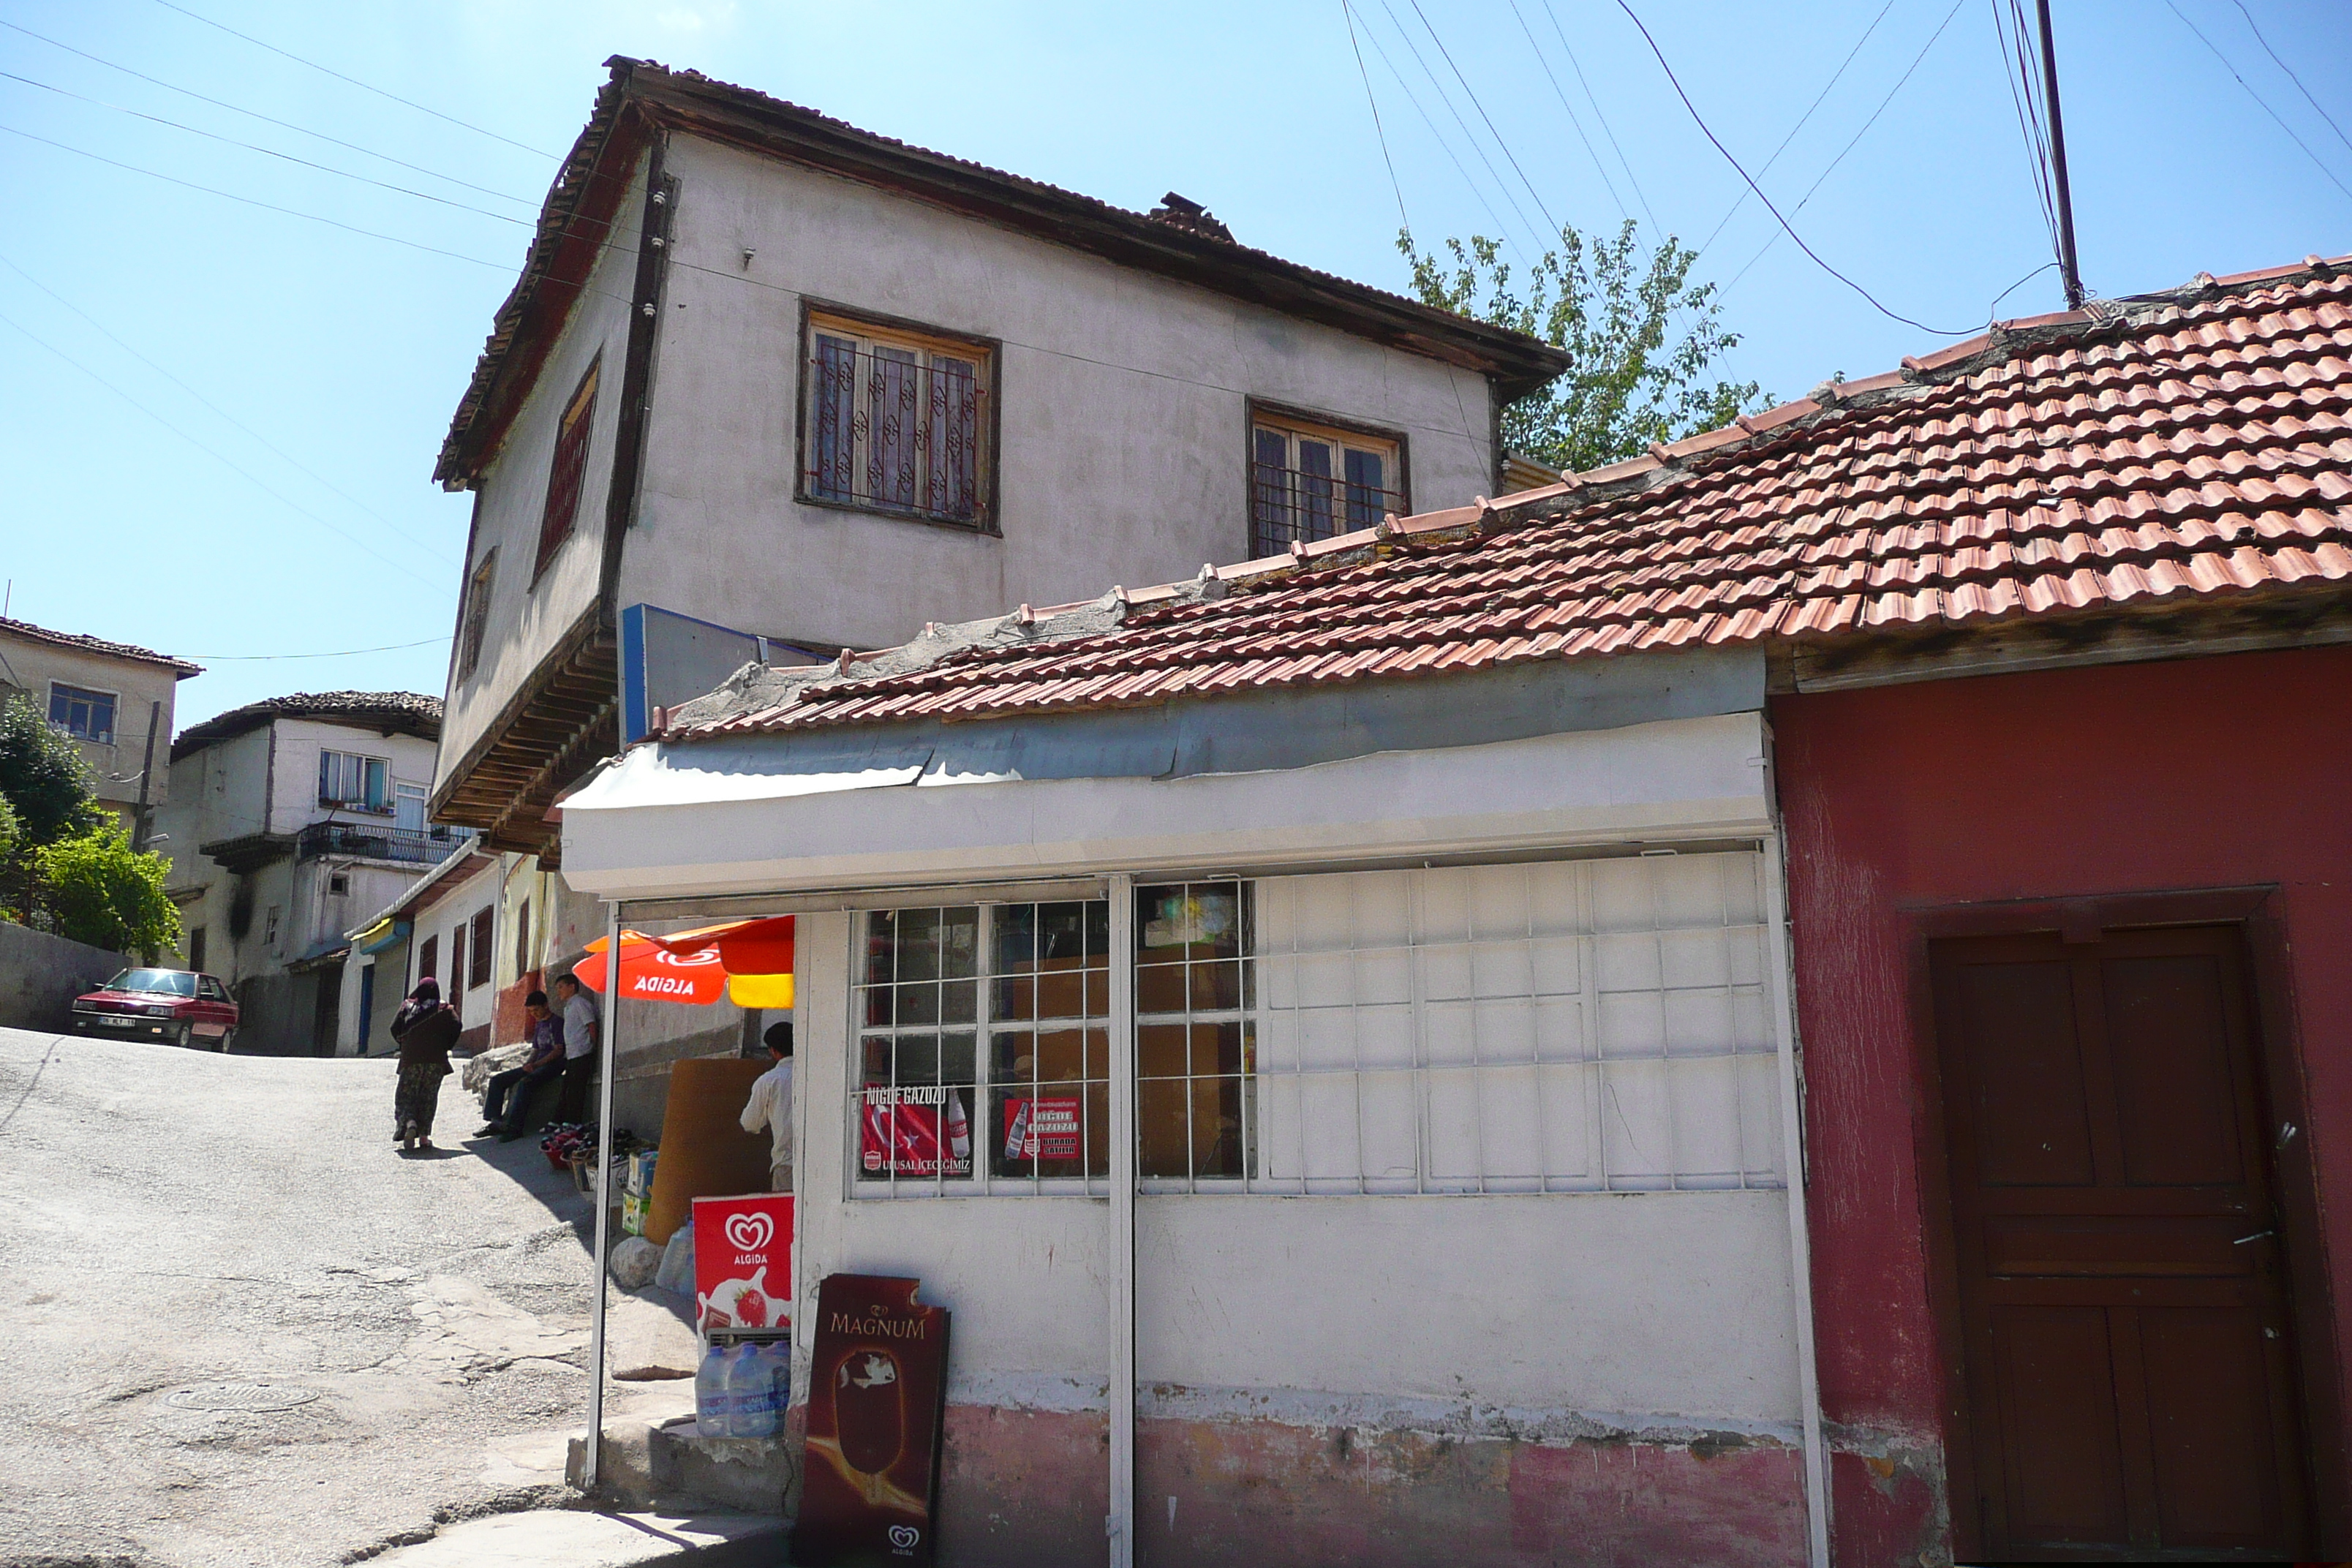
(877, 1388)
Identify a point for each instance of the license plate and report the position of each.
(118, 1023)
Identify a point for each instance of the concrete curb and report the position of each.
(574, 1538)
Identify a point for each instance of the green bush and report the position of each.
(43, 776)
(97, 889)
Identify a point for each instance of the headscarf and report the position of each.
(423, 1003)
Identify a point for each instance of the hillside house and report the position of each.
(115, 700)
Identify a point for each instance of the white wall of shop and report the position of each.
(1094, 356)
(1618, 1308)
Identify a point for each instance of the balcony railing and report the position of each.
(366, 841)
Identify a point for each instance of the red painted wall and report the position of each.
(2196, 774)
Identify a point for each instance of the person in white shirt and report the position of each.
(770, 1106)
(578, 1010)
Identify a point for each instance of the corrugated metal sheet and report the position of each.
(2193, 444)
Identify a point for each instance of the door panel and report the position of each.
(2127, 1355)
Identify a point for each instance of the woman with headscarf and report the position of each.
(424, 1028)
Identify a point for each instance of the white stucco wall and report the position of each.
(1566, 1312)
(1123, 394)
(295, 802)
(527, 617)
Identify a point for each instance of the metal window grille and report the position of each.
(1194, 1036)
(895, 428)
(1030, 980)
(1304, 488)
(1565, 1026)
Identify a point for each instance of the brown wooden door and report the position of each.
(2127, 1350)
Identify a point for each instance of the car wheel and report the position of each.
(229, 1038)
(188, 1033)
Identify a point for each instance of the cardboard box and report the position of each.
(635, 1206)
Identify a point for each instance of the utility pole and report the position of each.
(2067, 268)
(139, 822)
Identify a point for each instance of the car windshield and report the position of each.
(162, 982)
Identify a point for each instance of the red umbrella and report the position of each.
(750, 961)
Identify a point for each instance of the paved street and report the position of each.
(176, 1219)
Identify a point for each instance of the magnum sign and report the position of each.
(877, 1388)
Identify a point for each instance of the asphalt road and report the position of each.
(171, 1218)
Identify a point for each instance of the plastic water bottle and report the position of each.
(751, 1384)
(778, 1357)
(713, 1412)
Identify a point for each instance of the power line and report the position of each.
(268, 119)
(2020, 70)
(1501, 184)
(216, 409)
(2282, 65)
(339, 76)
(2259, 98)
(250, 201)
(342, 653)
(1552, 223)
(1590, 97)
(1445, 146)
(211, 452)
(1701, 122)
(1349, 16)
(1819, 99)
(1560, 92)
(1856, 141)
(270, 152)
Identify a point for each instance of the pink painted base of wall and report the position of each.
(1029, 1490)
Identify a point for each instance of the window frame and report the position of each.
(578, 413)
(1294, 422)
(820, 315)
(481, 939)
(985, 1130)
(369, 767)
(428, 962)
(89, 696)
(474, 616)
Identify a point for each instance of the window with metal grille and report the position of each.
(353, 783)
(1030, 980)
(477, 615)
(1311, 482)
(485, 923)
(1562, 1026)
(1194, 1036)
(896, 422)
(85, 715)
(567, 474)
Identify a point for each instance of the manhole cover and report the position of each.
(246, 1397)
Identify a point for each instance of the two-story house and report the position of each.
(786, 377)
(114, 700)
(289, 820)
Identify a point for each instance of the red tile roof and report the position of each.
(2193, 443)
(99, 646)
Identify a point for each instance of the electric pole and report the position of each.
(2067, 268)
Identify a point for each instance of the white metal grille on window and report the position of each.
(1561, 1026)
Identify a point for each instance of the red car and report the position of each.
(174, 1004)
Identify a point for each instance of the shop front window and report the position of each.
(930, 1110)
(1194, 1042)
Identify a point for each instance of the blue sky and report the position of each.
(221, 442)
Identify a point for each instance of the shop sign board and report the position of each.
(1045, 1128)
(877, 1390)
(743, 1261)
(914, 1131)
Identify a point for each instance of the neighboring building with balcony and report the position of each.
(290, 820)
(110, 697)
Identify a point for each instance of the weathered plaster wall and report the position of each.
(1122, 397)
(2216, 773)
(530, 610)
(295, 803)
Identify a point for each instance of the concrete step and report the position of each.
(565, 1537)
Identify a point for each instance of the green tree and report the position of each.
(43, 776)
(1639, 339)
(97, 889)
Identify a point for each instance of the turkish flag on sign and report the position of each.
(652, 973)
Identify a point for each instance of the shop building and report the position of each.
(1409, 913)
